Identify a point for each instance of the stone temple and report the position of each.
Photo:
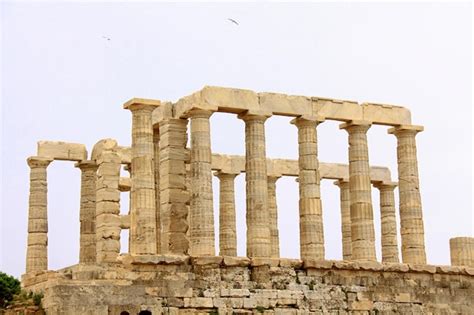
(173, 267)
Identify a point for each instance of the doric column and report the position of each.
(201, 211)
(462, 251)
(388, 222)
(311, 218)
(37, 250)
(411, 214)
(142, 194)
(258, 231)
(273, 213)
(107, 220)
(174, 197)
(87, 252)
(156, 171)
(345, 201)
(227, 224)
(362, 219)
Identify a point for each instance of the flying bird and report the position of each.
(104, 37)
(233, 21)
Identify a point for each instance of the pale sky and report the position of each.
(62, 80)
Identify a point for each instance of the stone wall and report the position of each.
(234, 285)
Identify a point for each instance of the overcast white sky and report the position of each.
(62, 80)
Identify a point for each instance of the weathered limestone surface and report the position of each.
(345, 202)
(201, 216)
(362, 219)
(273, 213)
(388, 222)
(142, 194)
(37, 248)
(462, 251)
(258, 231)
(87, 213)
(227, 223)
(58, 150)
(176, 286)
(156, 172)
(174, 197)
(310, 207)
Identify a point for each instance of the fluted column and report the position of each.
(273, 213)
(227, 223)
(462, 251)
(311, 218)
(411, 213)
(258, 231)
(362, 219)
(201, 211)
(388, 222)
(345, 201)
(37, 248)
(156, 171)
(174, 196)
(143, 212)
(87, 212)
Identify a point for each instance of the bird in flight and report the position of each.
(104, 37)
(233, 21)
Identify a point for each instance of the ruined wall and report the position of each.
(211, 285)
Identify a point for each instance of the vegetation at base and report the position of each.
(9, 286)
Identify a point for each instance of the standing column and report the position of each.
(37, 249)
(174, 196)
(87, 252)
(311, 218)
(388, 222)
(462, 251)
(273, 212)
(142, 194)
(227, 224)
(362, 217)
(156, 167)
(345, 201)
(258, 232)
(411, 214)
(201, 209)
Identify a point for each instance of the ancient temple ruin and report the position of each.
(173, 265)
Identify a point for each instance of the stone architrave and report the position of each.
(362, 217)
(345, 201)
(388, 222)
(462, 251)
(227, 221)
(37, 247)
(273, 212)
(258, 231)
(142, 194)
(310, 207)
(411, 213)
(201, 211)
(87, 213)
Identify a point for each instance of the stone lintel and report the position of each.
(141, 103)
(415, 128)
(64, 151)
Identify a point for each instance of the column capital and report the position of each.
(307, 120)
(405, 129)
(385, 185)
(86, 165)
(138, 104)
(254, 115)
(342, 182)
(198, 113)
(226, 175)
(356, 126)
(274, 177)
(38, 161)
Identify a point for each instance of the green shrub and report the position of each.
(9, 286)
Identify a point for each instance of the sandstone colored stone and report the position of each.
(58, 150)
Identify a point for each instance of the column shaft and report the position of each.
(37, 248)
(87, 252)
(258, 232)
(273, 213)
(345, 201)
(411, 214)
(227, 223)
(142, 194)
(310, 207)
(388, 223)
(362, 220)
(462, 251)
(156, 167)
